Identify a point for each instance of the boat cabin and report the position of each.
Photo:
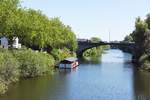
(69, 63)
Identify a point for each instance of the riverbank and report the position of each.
(36, 31)
(26, 63)
(95, 52)
(144, 64)
(141, 37)
(109, 77)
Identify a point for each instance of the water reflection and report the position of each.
(141, 85)
(110, 77)
(90, 60)
(67, 71)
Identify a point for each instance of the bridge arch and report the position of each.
(85, 45)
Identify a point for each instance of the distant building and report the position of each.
(16, 43)
(4, 42)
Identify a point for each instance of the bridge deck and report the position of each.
(107, 43)
(84, 45)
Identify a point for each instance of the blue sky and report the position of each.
(90, 18)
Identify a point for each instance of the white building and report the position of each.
(4, 42)
(16, 43)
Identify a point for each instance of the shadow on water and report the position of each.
(110, 77)
(141, 83)
(67, 71)
(90, 60)
(140, 80)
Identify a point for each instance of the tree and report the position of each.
(139, 35)
(95, 39)
(147, 20)
(7, 11)
(128, 38)
(34, 28)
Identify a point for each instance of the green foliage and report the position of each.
(141, 37)
(91, 52)
(60, 54)
(128, 38)
(95, 39)
(8, 70)
(7, 12)
(140, 32)
(34, 28)
(96, 51)
(3, 88)
(8, 67)
(146, 65)
(23, 63)
(33, 63)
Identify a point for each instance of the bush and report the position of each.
(22, 63)
(96, 51)
(8, 67)
(93, 52)
(33, 63)
(8, 70)
(3, 88)
(60, 54)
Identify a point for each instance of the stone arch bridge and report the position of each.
(85, 45)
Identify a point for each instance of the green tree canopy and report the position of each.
(95, 39)
(128, 38)
(34, 28)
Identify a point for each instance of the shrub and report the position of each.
(8, 70)
(24, 63)
(8, 67)
(33, 63)
(92, 52)
(60, 54)
(3, 88)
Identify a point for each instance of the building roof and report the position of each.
(71, 59)
(3, 37)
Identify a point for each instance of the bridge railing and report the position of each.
(88, 41)
(111, 42)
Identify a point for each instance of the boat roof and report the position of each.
(71, 59)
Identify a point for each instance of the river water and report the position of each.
(110, 77)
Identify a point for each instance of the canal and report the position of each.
(110, 77)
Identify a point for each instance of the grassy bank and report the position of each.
(141, 37)
(37, 31)
(26, 63)
(144, 62)
(94, 52)
(9, 70)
